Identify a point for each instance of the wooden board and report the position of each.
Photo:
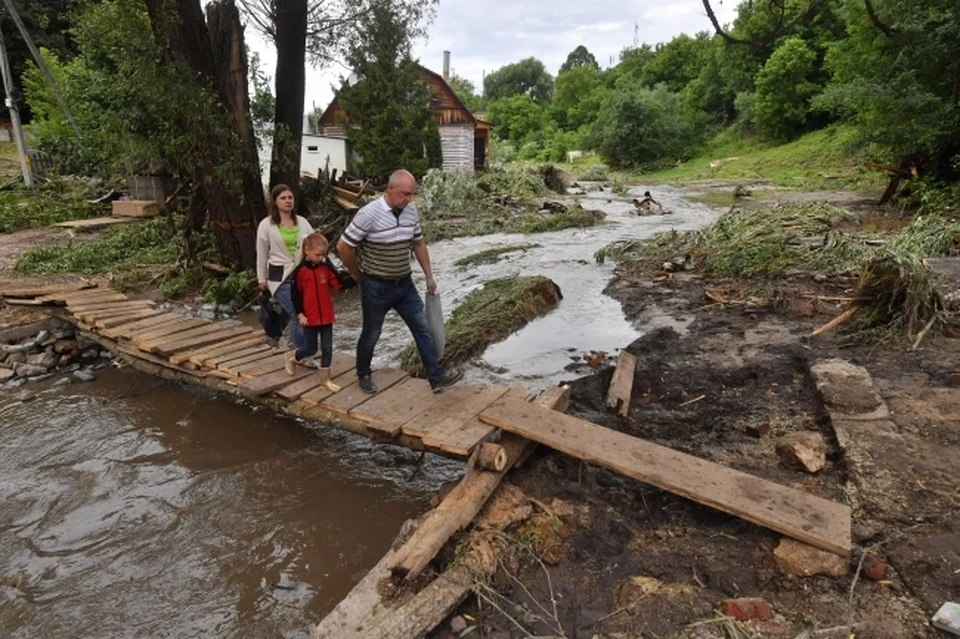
(203, 329)
(90, 316)
(345, 381)
(94, 222)
(340, 366)
(459, 404)
(126, 209)
(62, 296)
(242, 358)
(276, 362)
(351, 397)
(198, 355)
(88, 295)
(100, 298)
(94, 307)
(813, 520)
(41, 291)
(621, 385)
(387, 411)
(461, 439)
(170, 347)
(129, 329)
(170, 328)
(134, 316)
(277, 379)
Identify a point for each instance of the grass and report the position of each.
(491, 256)
(121, 249)
(823, 159)
(489, 315)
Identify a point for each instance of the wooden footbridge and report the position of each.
(491, 427)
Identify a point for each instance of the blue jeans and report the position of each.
(310, 335)
(377, 298)
(284, 296)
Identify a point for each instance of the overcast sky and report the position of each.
(484, 35)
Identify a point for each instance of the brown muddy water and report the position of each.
(133, 507)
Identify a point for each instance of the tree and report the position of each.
(577, 97)
(528, 76)
(515, 118)
(783, 92)
(466, 91)
(579, 57)
(677, 62)
(639, 126)
(385, 109)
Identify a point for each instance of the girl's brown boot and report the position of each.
(326, 381)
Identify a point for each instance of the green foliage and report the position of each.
(488, 315)
(515, 117)
(492, 255)
(579, 58)
(527, 77)
(445, 191)
(46, 203)
(676, 63)
(577, 99)
(639, 126)
(466, 91)
(122, 248)
(574, 217)
(517, 180)
(183, 283)
(387, 105)
(238, 287)
(262, 102)
(783, 91)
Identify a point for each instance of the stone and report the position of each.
(805, 450)
(65, 346)
(26, 396)
(29, 370)
(6, 373)
(43, 360)
(84, 375)
(874, 568)
(803, 560)
(746, 608)
(458, 624)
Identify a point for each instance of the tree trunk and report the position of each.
(233, 198)
(291, 39)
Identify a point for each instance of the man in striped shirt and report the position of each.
(375, 248)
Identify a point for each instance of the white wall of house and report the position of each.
(456, 141)
(315, 151)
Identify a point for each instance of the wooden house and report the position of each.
(464, 138)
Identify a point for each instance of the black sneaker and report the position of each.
(438, 385)
(367, 385)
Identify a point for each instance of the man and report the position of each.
(375, 248)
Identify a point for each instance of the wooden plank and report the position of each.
(395, 408)
(459, 404)
(621, 385)
(810, 519)
(459, 439)
(95, 307)
(351, 397)
(40, 291)
(197, 355)
(274, 362)
(170, 347)
(240, 357)
(153, 359)
(272, 381)
(91, 316)
(101, 298)
(204, 329)
(134, 316)
(345, 381)
(129, 329)
(86, 295)
(95, 221)
(61, 296)
(340, 366)
(134, 208)
(179, 325)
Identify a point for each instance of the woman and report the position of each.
(279, 249)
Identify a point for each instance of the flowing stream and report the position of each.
(133, 507)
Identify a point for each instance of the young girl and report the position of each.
(310, 284)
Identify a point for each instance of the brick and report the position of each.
(746, 608)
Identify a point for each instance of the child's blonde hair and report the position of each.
(316, 242)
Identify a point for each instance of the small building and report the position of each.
(324, 152)
(464, 138)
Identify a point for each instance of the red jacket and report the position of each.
(311, 284)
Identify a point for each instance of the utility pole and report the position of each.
(11, 104)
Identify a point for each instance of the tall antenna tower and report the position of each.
(636, 33)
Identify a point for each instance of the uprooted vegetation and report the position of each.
(48, 202)
(510, 200)
(895, 292)
(492, 255)
(489, 315)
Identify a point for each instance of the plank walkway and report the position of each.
(227, 355)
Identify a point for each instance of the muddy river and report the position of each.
(133, 507)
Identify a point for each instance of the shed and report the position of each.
(464, 138)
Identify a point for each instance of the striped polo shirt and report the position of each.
(383, 240)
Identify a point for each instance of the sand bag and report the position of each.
(434, 312)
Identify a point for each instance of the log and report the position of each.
(491, 457)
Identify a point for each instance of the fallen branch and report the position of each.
(923, 333)
(691, 401)
(836, 321)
